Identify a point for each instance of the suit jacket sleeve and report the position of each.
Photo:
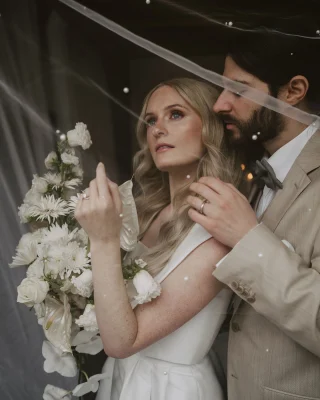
(282, 287)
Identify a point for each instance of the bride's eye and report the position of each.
(176, 114)
(151, 121)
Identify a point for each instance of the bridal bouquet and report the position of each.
(58, 284)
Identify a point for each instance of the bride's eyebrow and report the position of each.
(166, 108)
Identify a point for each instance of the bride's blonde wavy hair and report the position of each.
(152, 192)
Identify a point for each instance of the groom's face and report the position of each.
(244, 119)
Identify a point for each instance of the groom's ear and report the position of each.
(295, 91)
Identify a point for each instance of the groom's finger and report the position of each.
(204, 191)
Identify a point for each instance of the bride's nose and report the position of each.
(159, 130)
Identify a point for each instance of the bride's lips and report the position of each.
(161, 147)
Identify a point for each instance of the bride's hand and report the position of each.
(99, 210)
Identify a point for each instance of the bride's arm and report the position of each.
(124, 331)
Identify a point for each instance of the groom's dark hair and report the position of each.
(275, 59)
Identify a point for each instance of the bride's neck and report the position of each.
(179, 179)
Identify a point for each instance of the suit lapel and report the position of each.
(295, 183)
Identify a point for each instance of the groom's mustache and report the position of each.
(227, 119)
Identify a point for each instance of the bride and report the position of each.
(159, 350)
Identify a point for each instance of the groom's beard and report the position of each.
(264, 123)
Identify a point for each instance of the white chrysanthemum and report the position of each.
(24, 213)
(53, 179)
(26, 240)
(72, 204)
(75, 258)
(88, 320)
(78, 171)
(25, 255)
(69, 159)
(32, 197)
(39, 184)
(50, 208)
(79, 136)
(35, 270)
(53, 258)
(83, 284)
(57, 232)
(72, 183)
(82, 237)
(50, 160)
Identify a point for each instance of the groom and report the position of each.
(274, 263)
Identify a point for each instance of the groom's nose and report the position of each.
(224, 103)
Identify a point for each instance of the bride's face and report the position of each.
(174, 131)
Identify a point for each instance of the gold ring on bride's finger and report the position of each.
(202, 207)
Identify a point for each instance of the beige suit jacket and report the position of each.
(274, 339)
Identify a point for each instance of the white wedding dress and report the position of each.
(176, 367)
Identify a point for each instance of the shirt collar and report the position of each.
(283, 159)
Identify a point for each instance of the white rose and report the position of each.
(146, 287)
(39, 184)
(50, 159)
(79, 136)
(88, 320)
(69, 159)
(32, 291)
(83, 283)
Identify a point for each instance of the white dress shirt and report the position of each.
(281, 162)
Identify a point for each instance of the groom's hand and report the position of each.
(227, 214)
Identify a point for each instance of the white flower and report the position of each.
(55, 180)
(72, 183)
(58, 233)
(72, 204)
(83, 283)
(32, 197)
(92, 385)
(54, 393)
(25, 255)
(146, 287)
(75, 259)
(32, 291)
(51, 159)
(88, 342)
(57, 361)
(69, 159)
(36, 269)
(78, 171)
(53, 257)
(40, 310)
(82, 237)
(49, 208)
(79, 136)
(140, 263)
(24, 213)
(88, 320)
(39, 184)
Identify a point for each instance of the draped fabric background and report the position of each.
(46, 60)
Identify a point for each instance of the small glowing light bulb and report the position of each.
(126, 90)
